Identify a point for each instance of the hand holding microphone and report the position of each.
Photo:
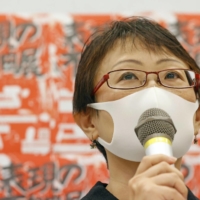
(155, 178)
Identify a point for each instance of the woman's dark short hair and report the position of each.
(151, 36)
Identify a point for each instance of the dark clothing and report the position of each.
(99, 192)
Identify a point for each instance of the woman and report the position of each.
(134, 66)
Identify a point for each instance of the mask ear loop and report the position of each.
(197, 86)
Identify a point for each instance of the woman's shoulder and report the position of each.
(99, 192)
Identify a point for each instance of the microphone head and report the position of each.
(155, 122)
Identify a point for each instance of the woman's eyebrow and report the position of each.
(128, 60)
(140, 63)
(168, 60)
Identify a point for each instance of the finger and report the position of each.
(162, 168)
(149, 161)
(170, 193)
(146, 189)
(171, 180)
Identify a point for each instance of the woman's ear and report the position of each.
(85, 122)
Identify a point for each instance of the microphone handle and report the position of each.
(158, 145)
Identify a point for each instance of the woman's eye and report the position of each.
(171, 75)
(129, 76)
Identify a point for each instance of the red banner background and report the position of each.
(43, 154)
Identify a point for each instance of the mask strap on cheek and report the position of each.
(197, 86)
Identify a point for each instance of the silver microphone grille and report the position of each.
(154, 123)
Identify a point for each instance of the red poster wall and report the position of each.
(43, 154)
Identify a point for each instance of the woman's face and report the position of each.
(119, 57)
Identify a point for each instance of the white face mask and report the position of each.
(126, 112)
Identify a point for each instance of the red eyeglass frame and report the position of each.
(106, 77)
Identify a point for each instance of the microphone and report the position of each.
(155, 131)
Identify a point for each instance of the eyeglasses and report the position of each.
(125, 79)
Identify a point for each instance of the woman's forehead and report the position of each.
(130, 45)
(128, 49)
